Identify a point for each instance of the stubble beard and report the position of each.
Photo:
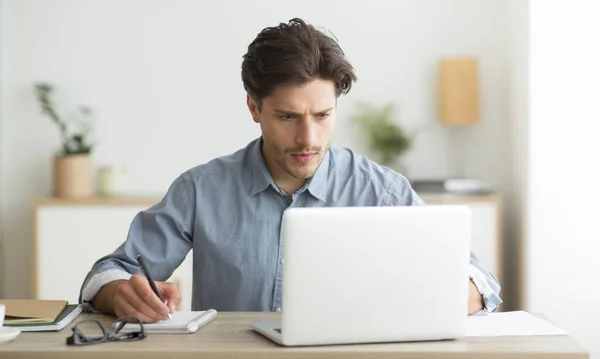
(282, 156)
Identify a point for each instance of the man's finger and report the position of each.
(127, 291)
(171, 294)
(124, 309)
(144, 291)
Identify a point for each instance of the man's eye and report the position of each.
(286, 117)
(322, 116)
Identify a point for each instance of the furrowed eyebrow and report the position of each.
(299, 114)
(284, 112)
(325, 111)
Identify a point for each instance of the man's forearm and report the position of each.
(104, 299)
(475, 299)
(486, 284)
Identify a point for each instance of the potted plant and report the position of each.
(386, 137)
(72, 164)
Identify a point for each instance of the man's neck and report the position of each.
(290, 188)
(286, 182)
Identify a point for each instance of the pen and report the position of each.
(152, 284)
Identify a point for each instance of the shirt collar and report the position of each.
(261, 177)
(317, 184)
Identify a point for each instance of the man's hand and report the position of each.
(475, 299)
(134, 297)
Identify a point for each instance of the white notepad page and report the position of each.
(517, 323)
(180, 322)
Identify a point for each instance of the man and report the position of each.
(229, 210)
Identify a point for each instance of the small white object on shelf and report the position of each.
(467, 186)
(111, 180)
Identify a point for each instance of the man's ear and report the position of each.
(253, 107)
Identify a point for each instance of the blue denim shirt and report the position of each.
(229, 212)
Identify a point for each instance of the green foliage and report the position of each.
(73, 133)
(386, 138)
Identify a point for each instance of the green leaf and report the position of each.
(386, 137)
(70, 143)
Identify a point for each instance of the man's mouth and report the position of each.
(303, 158)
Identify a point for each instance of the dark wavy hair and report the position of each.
(294, 53)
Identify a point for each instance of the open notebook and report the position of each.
(180, 323)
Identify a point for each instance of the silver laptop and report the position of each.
(373, 274)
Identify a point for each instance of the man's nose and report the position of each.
(306, 132)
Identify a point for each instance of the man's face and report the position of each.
(297, 126)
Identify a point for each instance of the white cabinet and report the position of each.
(486, 234)
(71, 235)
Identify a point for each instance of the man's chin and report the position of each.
(302, 173)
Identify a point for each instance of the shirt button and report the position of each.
(278, 309)
(281, 261)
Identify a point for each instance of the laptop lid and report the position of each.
(375, 274)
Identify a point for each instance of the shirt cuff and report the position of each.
(96, 283)
(490, 297)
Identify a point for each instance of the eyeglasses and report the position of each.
(90, 332)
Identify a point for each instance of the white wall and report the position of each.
(518, 120)
(172, 70)
(563, 193)
(1, 178)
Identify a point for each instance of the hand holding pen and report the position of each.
(136, 297)
(142, 264)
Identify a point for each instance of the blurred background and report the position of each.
(490, 103)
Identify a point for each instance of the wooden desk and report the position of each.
(230, 336)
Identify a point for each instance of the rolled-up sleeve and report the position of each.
(486, 283)
(162, 234)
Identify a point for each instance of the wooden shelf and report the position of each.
(440, 197)
(99, 201)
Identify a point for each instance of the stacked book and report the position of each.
(31, 315)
